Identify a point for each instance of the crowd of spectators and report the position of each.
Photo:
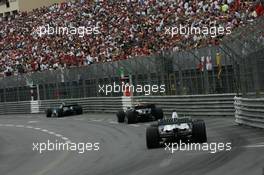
(128, 29)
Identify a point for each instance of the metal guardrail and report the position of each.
(22, 107)
(94, 104)
(249, 111)
(193, 105)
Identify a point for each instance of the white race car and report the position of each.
(176, 128)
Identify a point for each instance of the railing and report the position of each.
(196, 105)
(249, 111)
(102, 104)
(23, 107)
(193, 105)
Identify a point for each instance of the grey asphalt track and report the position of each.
(122, 148)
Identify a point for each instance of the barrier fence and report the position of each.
(15, 107)
(198, 105)
(193, 105)
(249, 111)
(246, 111)
(102, 104)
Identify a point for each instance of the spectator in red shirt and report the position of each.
(259, 9)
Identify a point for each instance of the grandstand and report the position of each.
(136, 31)
(128, 30)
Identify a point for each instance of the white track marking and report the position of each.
(68, 141)
(113, 122)
(97, 120)
(166, 162)
(33, 121)
(20, 126)
(39, 129)
(64, 138)
(51, 133)
(58, 135)
(134, 125)
(254, 146)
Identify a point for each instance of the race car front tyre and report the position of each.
(152, 137)
(199, 132)
(131, 117)
(48, 113)
(120, 116)
(157, 113)
(80, 111)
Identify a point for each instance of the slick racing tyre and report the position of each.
(199, 132)
(131, 117)
(121, 116)
(80, 111)
(48, 113)
(54, 115)
(152, 137)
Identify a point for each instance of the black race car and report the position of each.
(140, 112)
(176, 128)
(64, 110)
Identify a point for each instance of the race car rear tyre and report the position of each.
(152, 137)
(80, 111)
(53, 115)
(120, 116)
(131, 117)
(199, 132)
(48, 113)
(60, 113)
(157, 113)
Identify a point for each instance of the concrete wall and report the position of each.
(27, 5)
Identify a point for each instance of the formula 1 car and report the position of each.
(175, 128)
(139, 112)
(64, 110)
